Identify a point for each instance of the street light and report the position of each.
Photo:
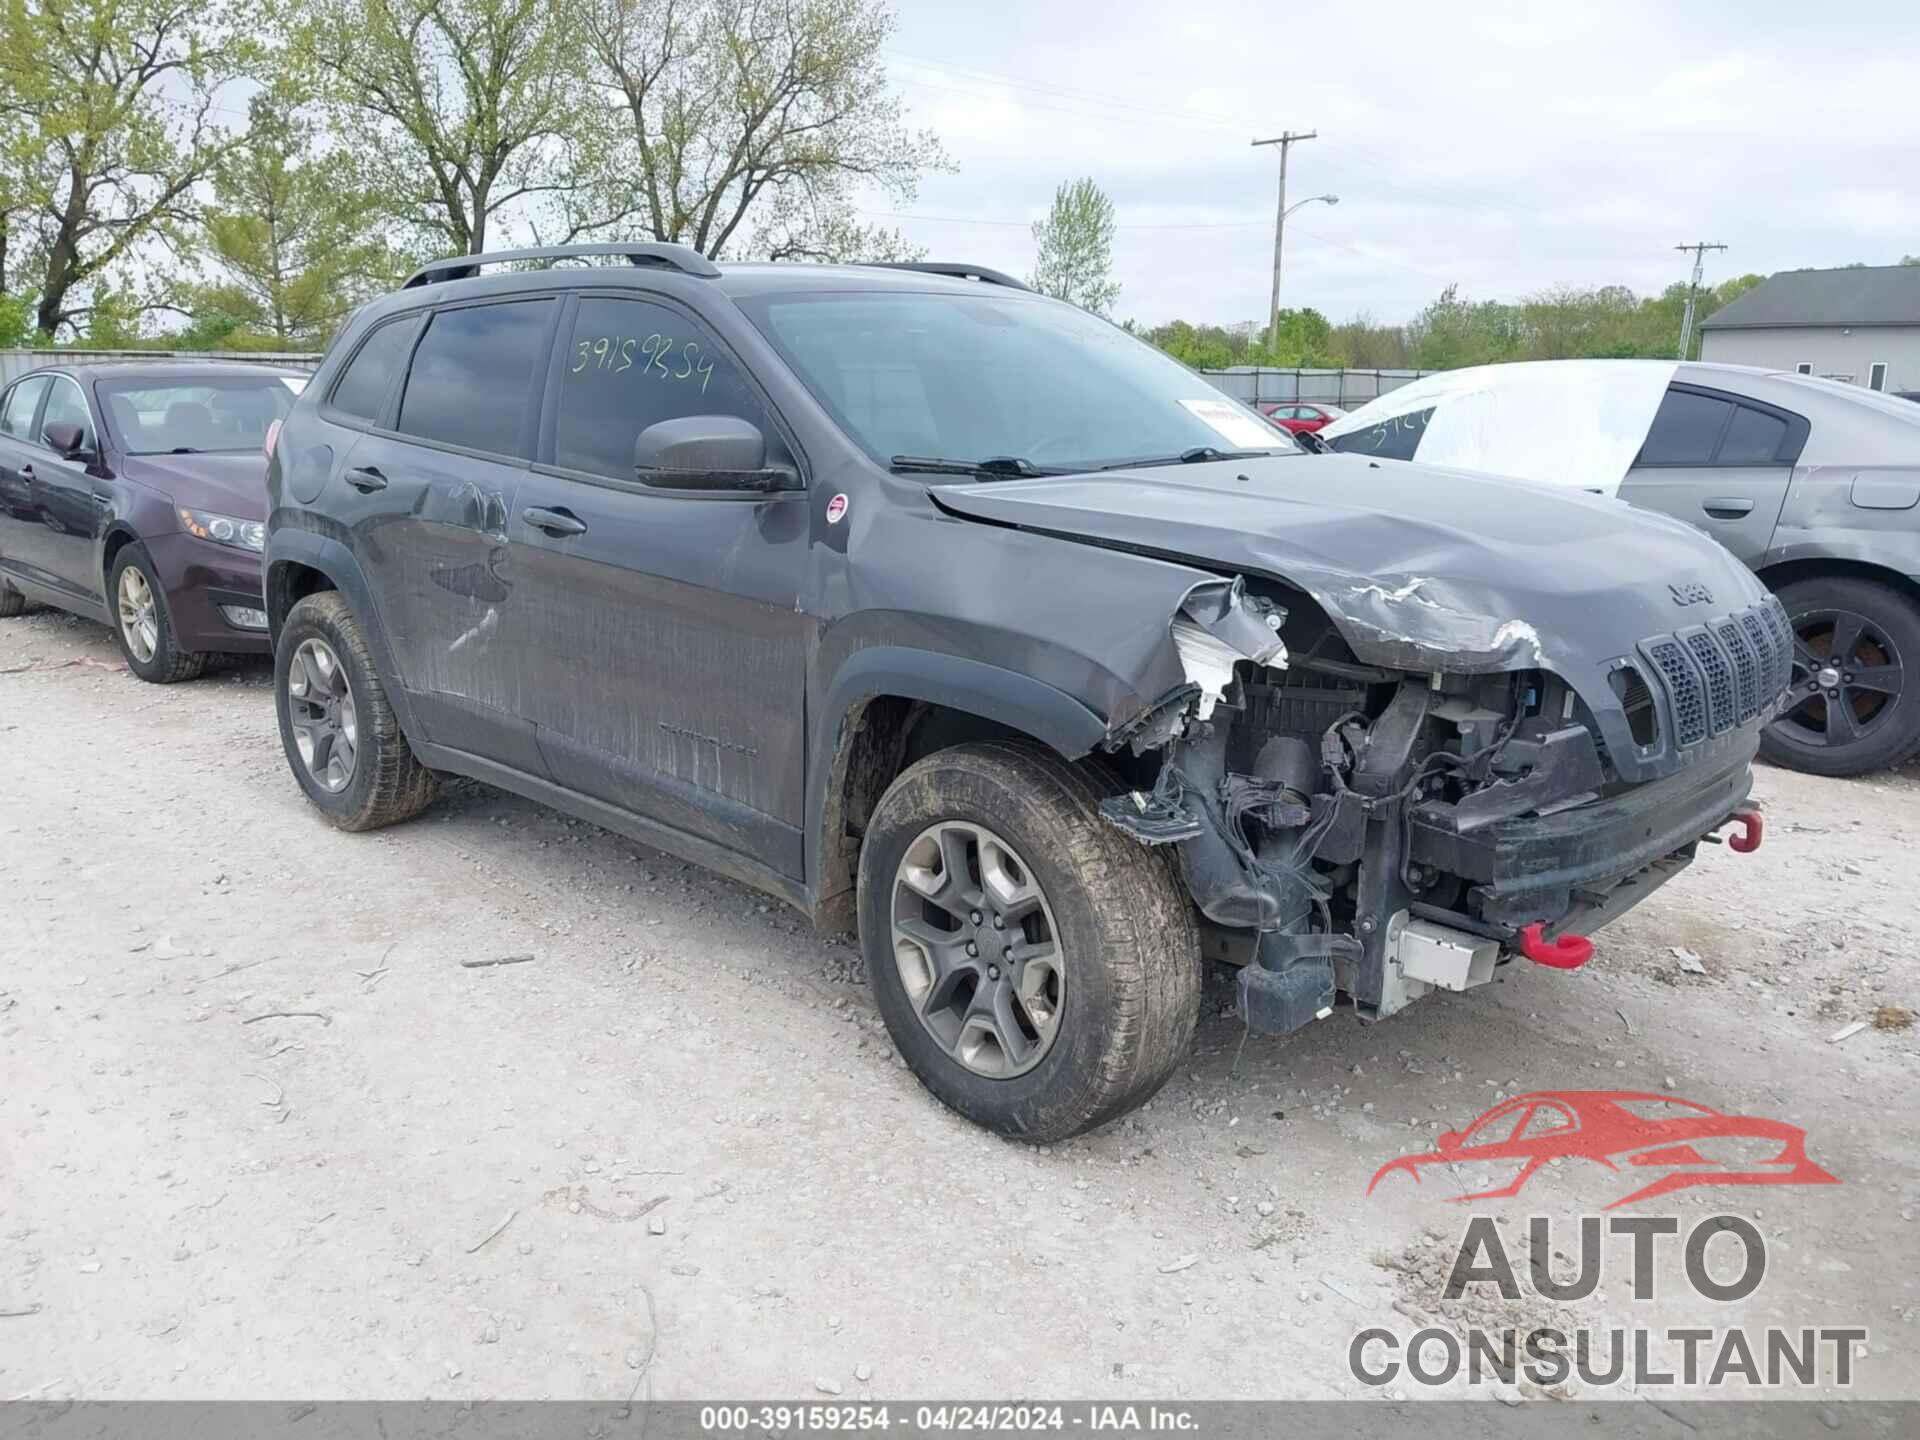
(1328, 199)
(1279, 231)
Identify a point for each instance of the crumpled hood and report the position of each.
(227, 483)
(1418, 566)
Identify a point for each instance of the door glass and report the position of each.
(1397, 438)
(363, 385)
(631, 364)
(67, 406)
(1685, 430)
(18, 414)
(474, 375)
(1752, 439)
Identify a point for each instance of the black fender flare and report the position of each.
(1007, 697)
(331, 558)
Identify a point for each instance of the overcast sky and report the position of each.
(1506, 147)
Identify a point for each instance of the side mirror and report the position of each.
(66, 437)
(708, 452)
(1311, 442)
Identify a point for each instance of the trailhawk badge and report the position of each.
(836, 509)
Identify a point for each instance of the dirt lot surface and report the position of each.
(263, 1134)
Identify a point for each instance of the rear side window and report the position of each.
(475, 374)
(630, 364)
(1753, 438)
(1395, 439)
(16, 416)
(363, 385)
(1686, 429)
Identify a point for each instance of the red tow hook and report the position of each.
(1753, 827)
(1563, 952)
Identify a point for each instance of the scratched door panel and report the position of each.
(431, 518)
(433, 545)
(662, 657)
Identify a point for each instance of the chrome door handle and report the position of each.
(554, 522)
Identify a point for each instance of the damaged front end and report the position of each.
(1344, 826)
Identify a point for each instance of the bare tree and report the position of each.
(751, 124)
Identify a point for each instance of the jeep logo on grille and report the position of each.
(1691, 594)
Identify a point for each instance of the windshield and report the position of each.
(155, 417)
(978, 377)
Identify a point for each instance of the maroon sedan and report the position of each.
(1301, 419)
(135, 494)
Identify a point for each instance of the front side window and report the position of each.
(1686, 429)
(16, 416)
(475, 373)
(630, 364)
(977, 376)
(363, 385)
(67, 406)
(186, 417)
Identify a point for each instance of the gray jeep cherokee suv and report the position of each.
(957, 615)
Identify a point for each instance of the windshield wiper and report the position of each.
(992, 466)
(1198, 455)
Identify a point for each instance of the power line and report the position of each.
(1699, 249)
(1286, 142)
(1025, 224)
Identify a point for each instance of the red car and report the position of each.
(1623, 1129)
(1299, 418)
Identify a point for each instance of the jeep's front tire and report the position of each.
(1039, 971)
(337, 726)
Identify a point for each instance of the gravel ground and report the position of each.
(262, 1134)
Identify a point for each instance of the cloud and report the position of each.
(1519, 147)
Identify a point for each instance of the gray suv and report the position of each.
(957, 616)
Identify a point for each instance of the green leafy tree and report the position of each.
(109, 127)
(747, 126)
(1075, 259)
(461, 113)
(294, 250)
(16, 321)
(1299, 338)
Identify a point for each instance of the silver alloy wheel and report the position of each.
(977, 950)
(326, 728)
(139, 615)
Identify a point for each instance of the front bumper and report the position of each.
(1541, 867)
(200, 578)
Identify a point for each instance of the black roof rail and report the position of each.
(957, 270)
(683, 258)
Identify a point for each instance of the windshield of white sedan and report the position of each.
(943, 383)
(186, 418)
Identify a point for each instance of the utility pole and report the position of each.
(1699, 249)
(1286, 143)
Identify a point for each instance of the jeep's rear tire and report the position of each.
(1852, 708)
(1078, 1005)
(341, 736)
